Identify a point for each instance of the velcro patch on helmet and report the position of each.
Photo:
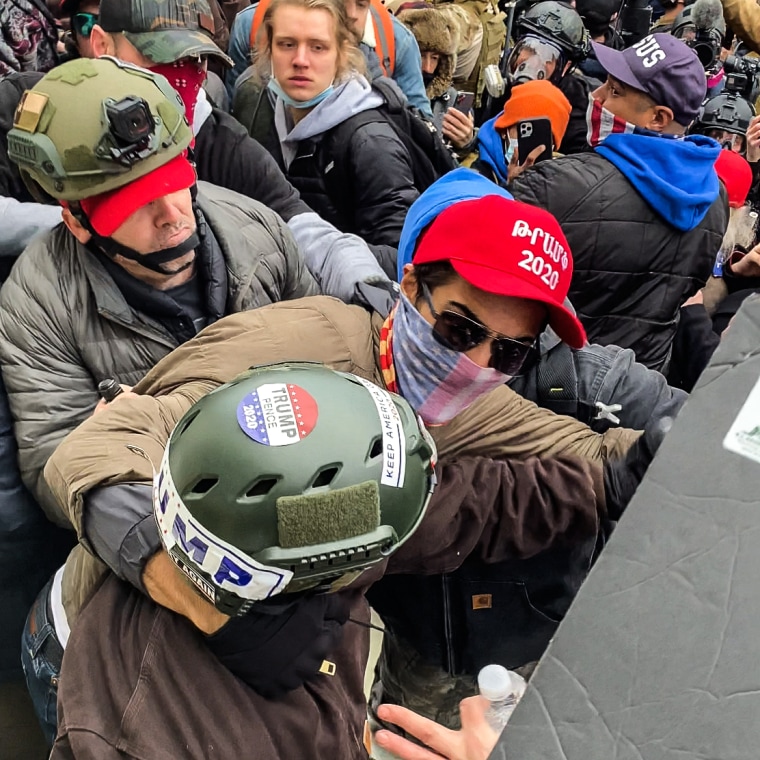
(324, 517)
(29, 111)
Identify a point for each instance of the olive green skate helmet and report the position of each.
(92, 126)
(291, 477)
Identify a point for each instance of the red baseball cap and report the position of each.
(108, 211)
(736, 174)
(509, 248)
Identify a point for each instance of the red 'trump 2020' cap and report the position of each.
(509, 248)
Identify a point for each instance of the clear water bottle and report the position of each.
(503, 689)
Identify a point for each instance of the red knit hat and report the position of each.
(108, 211)
(534, 99)
(736, 174)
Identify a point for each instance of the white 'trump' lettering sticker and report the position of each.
(229, 567)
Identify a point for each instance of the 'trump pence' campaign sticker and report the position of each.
(277, 414)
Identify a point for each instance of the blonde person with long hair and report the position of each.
(315, 115)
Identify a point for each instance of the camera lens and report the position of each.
(706, 54)
(130, 120)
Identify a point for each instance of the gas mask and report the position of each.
(534, 58)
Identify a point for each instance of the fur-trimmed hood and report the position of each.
(434, 33)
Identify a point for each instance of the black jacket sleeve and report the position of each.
(31, 548)
(576, 89)
(12, 88)
(226, 155)
(693, 346)
(383, 183)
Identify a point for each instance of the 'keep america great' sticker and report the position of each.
(277, 414)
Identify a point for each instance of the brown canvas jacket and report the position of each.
(743, 16)
(139, 684)
(137, 681)
(133, 671)
(125, 443)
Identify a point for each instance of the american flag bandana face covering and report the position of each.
(602, 123)
(438, 382)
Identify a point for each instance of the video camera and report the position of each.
(742, 76)
(702, 28)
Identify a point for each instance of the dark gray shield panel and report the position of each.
(659, 656)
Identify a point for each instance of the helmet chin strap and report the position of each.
(152, 261)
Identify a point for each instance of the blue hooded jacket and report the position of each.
(458, 185)
(676, 177)
(491, 150)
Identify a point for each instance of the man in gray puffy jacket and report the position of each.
(145, 258)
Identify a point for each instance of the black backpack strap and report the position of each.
(394, 98)
(333, 150)
(261, 123)
(431, 158)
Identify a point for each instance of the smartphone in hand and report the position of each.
(530, 134)
(463, 102)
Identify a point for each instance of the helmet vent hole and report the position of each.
(185, 424)
(377, 448)
(325, 477)
(261, 487)
(204, 485)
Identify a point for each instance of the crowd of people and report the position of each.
(315, 306)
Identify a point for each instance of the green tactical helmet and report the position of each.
(290, 477)
(92, 126)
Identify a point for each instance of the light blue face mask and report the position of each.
(510, 149)
(274, 86)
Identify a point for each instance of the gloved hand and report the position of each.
(379, 296)
(277, 646)
(622, 476)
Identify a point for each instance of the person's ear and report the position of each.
(102, 42)
(662, 118)
(75, 228)
(409, 283)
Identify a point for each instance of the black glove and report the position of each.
(377, 296)
(622, 476)
(277, 646)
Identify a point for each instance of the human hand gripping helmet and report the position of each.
(91, 126)
(549, 35)
(290, 478)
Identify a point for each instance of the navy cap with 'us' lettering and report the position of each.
(663, 67)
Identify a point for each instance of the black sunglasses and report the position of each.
(460, 333)
(83, 23)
